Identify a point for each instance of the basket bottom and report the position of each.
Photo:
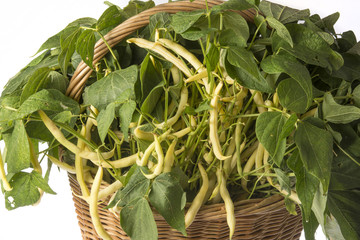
(255, 219)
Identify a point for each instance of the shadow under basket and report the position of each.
(255, 219)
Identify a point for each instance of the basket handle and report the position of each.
(83, 71)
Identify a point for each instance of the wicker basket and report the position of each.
(256, 218)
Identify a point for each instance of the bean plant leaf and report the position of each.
(50, 100)
(109, 88)
(137, 187)
(235, 5)
(152, 99)
(306, 183)
(111, 17)
(158, 20)
(137, 220)
(289, 126)
(126, 112)
(269, 126)
(168, 197)
(240, 65)
(292, 96)
(280, 29)
(315, 145)
(25, 189)
(336, 113)
(283, 179)
(350, 71)
(356, 96)
(310, 226)
(35, 83)
(150, 76)
(54, 41)
(68, 41)
(282, 13)
(332, 228)
(182, 21)
(57, 81)
(21, 78)
(238, 25)
(85, 46)
(343, 205)
(136, 7)
(104, 119)
(18, 151)
(284, 63)
(309, 47)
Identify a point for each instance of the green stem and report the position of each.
(110, 49)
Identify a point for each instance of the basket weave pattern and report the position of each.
(255, 218)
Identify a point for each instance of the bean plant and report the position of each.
(195, 108)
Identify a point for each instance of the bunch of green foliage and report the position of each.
(196, 107)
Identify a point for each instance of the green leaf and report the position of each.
(126, 112)
(343, 205)
(136, 7)
(54, 41)
(194, 34)
(35, 83)
(18, 150)
(212, 57)
(57, 81)
(239, 26)
(137, 187)
(310, 226)
(356, 96)
(337, 113)
(40, 182)
(235, 5)
(109, 88)
(292, 96)
(268, 128)
(282, 13)
(137, 220)
(158, 20)
(280, 29)
(283, 179)
(306, 184)
(166, 197)
(309, 47)
(288, 127)
(104, 119)
(85, 46)
(182, 21)
(328, 22)
(68, 41)
(240, 65)
(315, 145)
(332, 228)
(25, 189)
(111, 17)
(260, 22)
(47, 100)
(344, 172)
(150, 76)
(350, 71)
(284, 63)
(20, 79)
(151, 101)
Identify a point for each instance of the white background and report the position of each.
(25, 25)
